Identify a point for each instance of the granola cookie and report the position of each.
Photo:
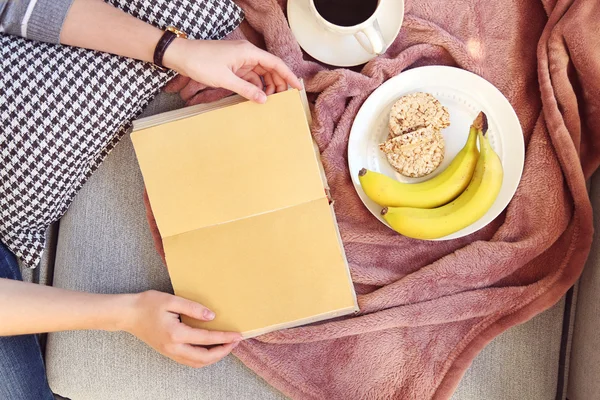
(417, 153)
(417, 110)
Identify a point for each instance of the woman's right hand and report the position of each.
(154, 318)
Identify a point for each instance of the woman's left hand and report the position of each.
(234, 65)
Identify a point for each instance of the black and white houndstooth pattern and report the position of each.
(63, 109)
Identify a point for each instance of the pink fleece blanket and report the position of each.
(428, 308)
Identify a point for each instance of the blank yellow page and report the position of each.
(266, 272)
(230, 163)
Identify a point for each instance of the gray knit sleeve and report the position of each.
(40, 20)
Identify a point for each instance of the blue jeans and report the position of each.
(22, 373)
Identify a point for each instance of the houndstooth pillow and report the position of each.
(63, 109)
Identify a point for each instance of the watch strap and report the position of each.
(161, 47)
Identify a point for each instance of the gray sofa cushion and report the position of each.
(585, 355)
(104, 246)
(520, 364)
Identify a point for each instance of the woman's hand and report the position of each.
(234, 65)
(151, 316)
(154, 318)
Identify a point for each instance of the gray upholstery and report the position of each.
(46, 267)
(585, 352)
(520, 364)
(104, 246)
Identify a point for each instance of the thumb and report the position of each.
(244, 89)
(191, 309)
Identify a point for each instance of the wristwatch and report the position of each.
(166, 39)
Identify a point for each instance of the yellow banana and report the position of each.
(434, 192)
(471, 205)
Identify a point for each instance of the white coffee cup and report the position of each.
(368, 32)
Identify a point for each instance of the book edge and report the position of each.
(185, 112)
(343, 251)
(300, 322)
(191, 111)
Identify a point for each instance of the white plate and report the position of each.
(464, 94)
(333, 49)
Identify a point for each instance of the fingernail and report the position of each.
(209, 315)
(238, 340)
(261, 97)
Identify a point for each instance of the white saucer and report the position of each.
(333, 49)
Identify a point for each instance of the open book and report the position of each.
(240, 200)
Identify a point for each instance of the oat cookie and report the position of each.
(417, 110)
(417, 153)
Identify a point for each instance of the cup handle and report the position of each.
(374, 42)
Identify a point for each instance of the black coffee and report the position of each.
(346, 12)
